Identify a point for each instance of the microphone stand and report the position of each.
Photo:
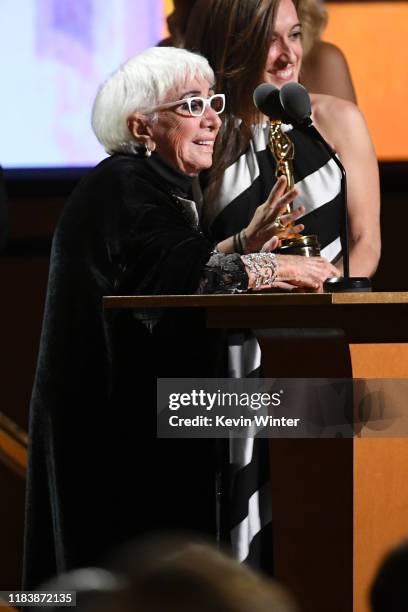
(345, 283)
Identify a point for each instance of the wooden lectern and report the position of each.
(338, 505)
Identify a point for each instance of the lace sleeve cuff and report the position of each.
(223, 273)
(264, 266)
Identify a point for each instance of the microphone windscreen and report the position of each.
(266, 100)
(296, 102)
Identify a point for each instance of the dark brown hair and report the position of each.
(177, 21)
(235, 36)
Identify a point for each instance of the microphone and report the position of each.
(295, 102)
(267, 101)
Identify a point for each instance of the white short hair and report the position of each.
(140, 85)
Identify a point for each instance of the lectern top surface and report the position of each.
(253, 299)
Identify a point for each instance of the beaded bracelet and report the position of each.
(235, 244)
(239, 240)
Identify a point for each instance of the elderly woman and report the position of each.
(97, 473)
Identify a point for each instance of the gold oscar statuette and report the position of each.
(283, 151)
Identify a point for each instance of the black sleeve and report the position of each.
(223, 273)
(160, 253)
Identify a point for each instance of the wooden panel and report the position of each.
(380, 483)
(13, 454)
(380, 507)
(254, 299)
(312, 521)
(358, 314)
(380, 510)
(359, 321)
(4, 607)
(13, 445)
(216, 300)
(370, 297)
(379, 360)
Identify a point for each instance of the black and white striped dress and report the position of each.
(246, 184)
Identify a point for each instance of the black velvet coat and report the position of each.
(97, 474)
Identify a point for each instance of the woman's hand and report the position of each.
(272, 219)
(300, 271)
(266, 271)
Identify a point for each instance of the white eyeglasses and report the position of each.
(195, 106)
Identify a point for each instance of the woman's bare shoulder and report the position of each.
(338, 120)
(329, 108)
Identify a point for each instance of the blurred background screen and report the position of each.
(55, 53)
